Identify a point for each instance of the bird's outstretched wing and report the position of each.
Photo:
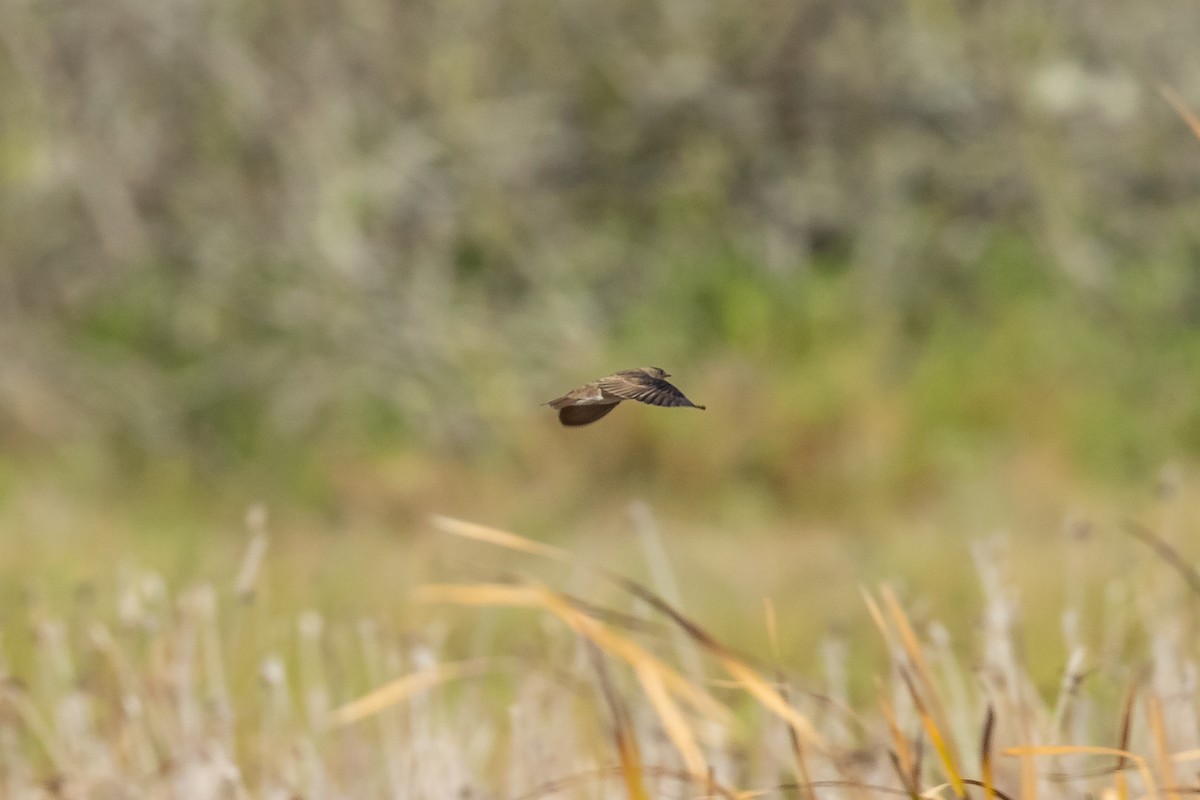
(573, 416)
(644, 389)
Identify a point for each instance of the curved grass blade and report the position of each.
(1166, 553)
(1073, 749)
(401, 689)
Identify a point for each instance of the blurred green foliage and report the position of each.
(885, 241)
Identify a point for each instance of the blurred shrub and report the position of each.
(234, 230)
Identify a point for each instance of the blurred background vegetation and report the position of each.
(934, 268)
(332, 256)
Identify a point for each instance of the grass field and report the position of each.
(483, 664)
(282, 287)
(452, 659)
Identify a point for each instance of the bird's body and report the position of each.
(592, 401)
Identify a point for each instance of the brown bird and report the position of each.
(591, 402)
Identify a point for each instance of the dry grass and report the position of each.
(146, 693)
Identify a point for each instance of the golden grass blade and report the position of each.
(1075, 749)
(935, 738)
(672, 720)
(508, 594)
(1176, 102)
(1162, 751)
(631, 762)
(632, 768)
(652, 673)
(877, 618)
(636, 656)
(906, 764)
(617, 619)
(481, 594)
(734, 664)
(628, 755)
(762, 691)
(521, 544)
(985, 754)
(916, 655)
(497, 537)
(399, 690)
(1029, 774)
(582, 623)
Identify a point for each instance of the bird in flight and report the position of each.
(591, 402)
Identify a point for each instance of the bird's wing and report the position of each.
(584, 395)
(644, 389)
(573, 416)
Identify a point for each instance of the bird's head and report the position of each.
(657, 372)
